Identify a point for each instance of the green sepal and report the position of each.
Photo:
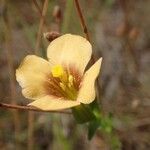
(95, 108)
(94, 125)
(101, 122)
(92, 128)
(83, 114)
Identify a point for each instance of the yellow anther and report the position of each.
(62, 86)
(69, 85)
(57, 71)
(70, 80)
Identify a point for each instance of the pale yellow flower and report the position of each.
(60, 82)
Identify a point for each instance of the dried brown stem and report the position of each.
(37, 46)
(38, 7)
(10, 61)
(28, 108)
(82, 19)
(83, 25)
(88, 38)
(41, 25)
(30, 130)
(39, 10)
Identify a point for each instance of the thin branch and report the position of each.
(39, 10)
(28, 108)
(37, 7)
(82, 20)
(83, 25)
(45, 7)
(37, 46)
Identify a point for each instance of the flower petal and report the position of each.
(69, 50)
(31, 76)
(52, 103)
(87, 91)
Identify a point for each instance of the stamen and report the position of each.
(62, 86)
(70, 80)
(54, 87)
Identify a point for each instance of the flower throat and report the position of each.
(66, 82)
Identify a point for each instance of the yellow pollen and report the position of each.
(57, 71)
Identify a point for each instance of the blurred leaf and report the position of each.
(107, 124)
(109, 2)
(115, 142)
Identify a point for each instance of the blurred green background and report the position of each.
(119, 32)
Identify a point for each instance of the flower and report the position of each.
(61, 82)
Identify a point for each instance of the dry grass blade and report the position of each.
(10, 61)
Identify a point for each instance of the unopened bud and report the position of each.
(50, 36)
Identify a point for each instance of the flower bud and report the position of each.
(50, 36)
